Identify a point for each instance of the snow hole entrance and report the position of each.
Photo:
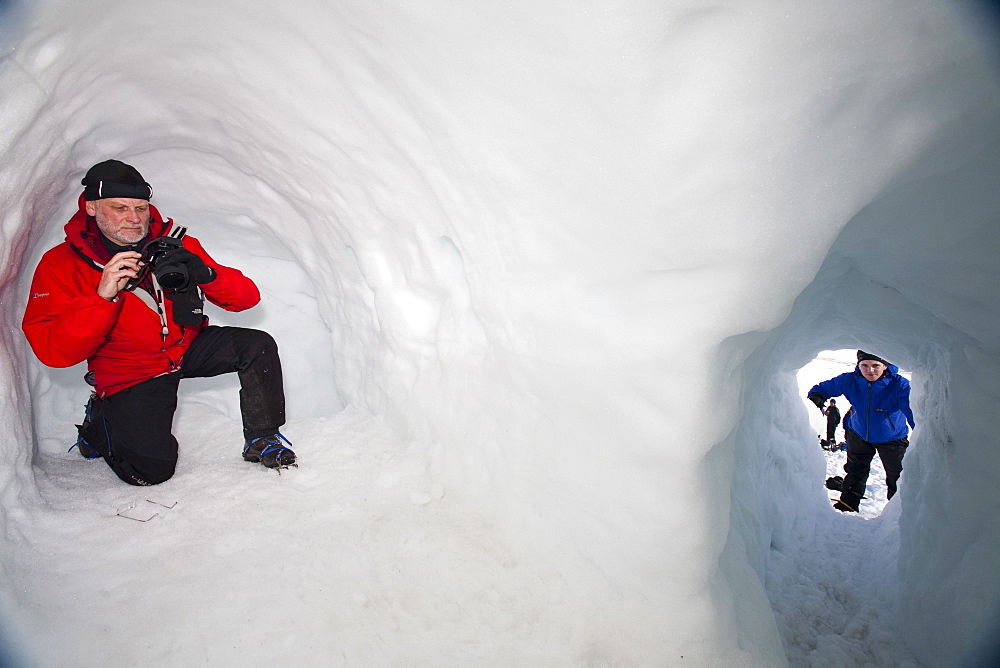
(828, 364)
(835, 588)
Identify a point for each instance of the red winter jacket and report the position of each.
(66, 321)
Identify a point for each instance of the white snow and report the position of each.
(543, 276)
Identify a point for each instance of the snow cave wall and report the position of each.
(575, 252)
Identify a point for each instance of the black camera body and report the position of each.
(170, 275)
(173, 276)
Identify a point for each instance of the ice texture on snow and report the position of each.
(560, 264)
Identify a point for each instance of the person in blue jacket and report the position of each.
(877, 422)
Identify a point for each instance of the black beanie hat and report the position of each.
(113, 178)
(862, 355)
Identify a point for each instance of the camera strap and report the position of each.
(147, 299)
(177, 232)
(161, 308)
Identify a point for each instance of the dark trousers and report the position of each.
(859, 461)
(132, 428)
(831, 430)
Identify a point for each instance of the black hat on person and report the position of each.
(113, 178)
(862, 355)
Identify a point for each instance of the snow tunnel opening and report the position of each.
(895, 282)
(801, 538)
(825, 365)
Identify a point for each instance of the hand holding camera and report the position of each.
(121, 269)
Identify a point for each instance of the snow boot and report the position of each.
(850, 500)
(844, 508)
(269, 451)
(87, 451)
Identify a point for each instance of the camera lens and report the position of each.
(171, 276)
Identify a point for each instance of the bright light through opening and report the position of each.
(828, 364)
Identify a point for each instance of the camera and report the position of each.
(173, 276)
(170, 275)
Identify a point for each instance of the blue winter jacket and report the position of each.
(880, 409)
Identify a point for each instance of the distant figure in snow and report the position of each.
(125, 292)
(832, 414)
(880, 411)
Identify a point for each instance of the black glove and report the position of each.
(817, 399)
(197, 271)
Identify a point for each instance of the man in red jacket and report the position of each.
(137, 320)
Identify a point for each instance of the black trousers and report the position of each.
(831, 430)
(859, 461)
(132, 428)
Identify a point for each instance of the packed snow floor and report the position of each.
(354, 558)
(351, 558)
(834, 593)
